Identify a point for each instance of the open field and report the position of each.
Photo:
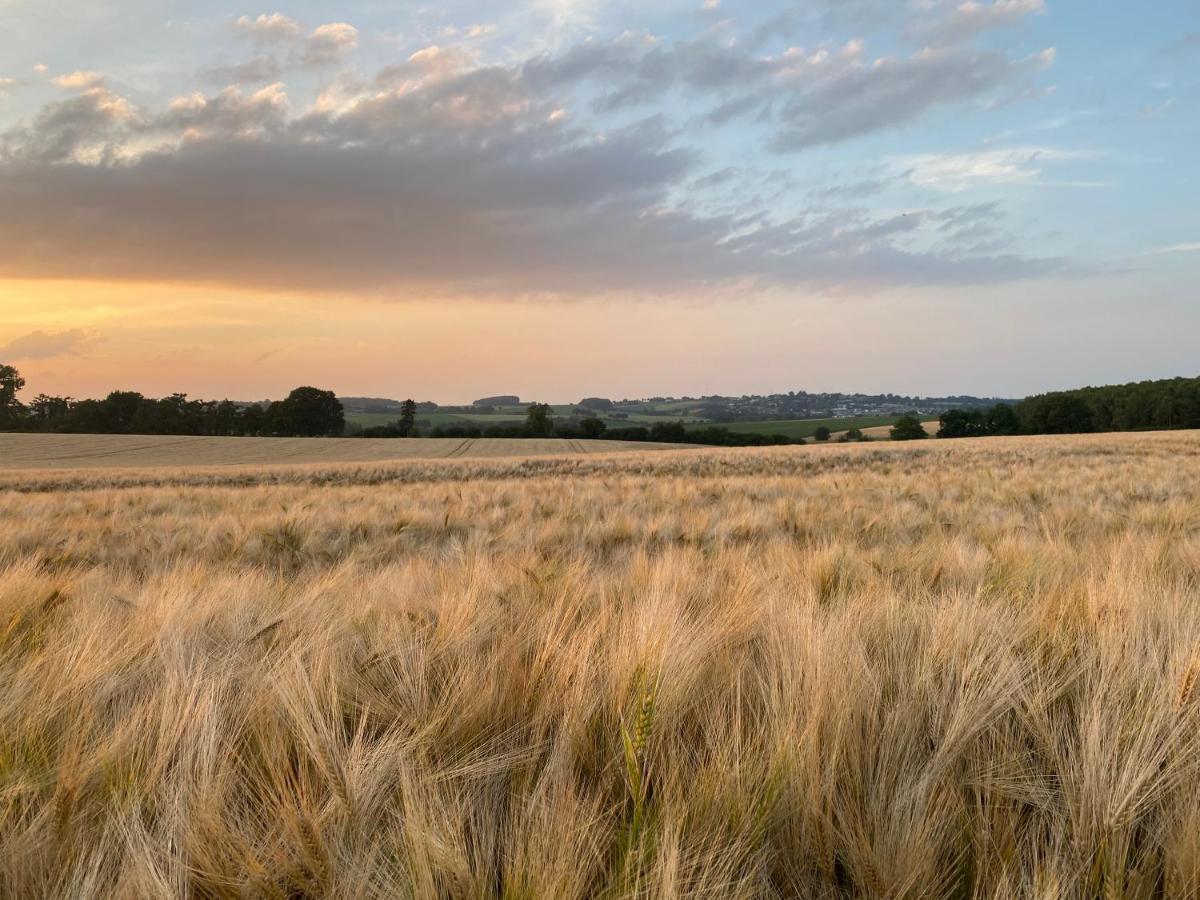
(75, 451)
(806, 428)
(941, 670)
(371, 420)
(884, 432)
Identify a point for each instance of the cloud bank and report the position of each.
(565, 173)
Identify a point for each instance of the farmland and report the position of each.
(806, 428)
(62, 451)
(949, 669)
(664, 413)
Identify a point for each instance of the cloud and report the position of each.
(826, 95)
(82, 127)
(329, 43)
(47, 344)
(959, 171)
(78, 80)
(269, 27)
(442, 174)
(325, 45)
(956, 22)
(837, 97)
(1193, 247)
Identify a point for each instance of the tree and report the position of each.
(592, 428)
(821, 434)
(669, 433)
(1061, 413)
(408, 418)
(11, 384)
(44, 409)
(252, 420)
(908, 428)
(538, 422)
(118, 411)
(308, 412)
(960, 423)
(225, 418)
(1002, 419)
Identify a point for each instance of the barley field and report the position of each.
(950, 670)
(76, 451)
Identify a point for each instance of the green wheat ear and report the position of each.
(636, 842)
(635, 748)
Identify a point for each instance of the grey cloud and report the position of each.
(854, 98)
(437, 176)
(828, 95)
(228, 113)
(91, 119)
(329, 43)
(47, 344)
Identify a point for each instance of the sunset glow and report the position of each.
(580, 197)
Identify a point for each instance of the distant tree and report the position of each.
(45, 410)
(821, 434)
(599, 403)
(631, 433)
(1063, 413)
(252, 420)
(307, 412)
(592, 428)
(224, 419)
(118, 411)
(1002, 419)
(669, 433)
(908, 428)
(961, 423)
(408, 417)
(499, 400)
(538, 421)
(11, 383)
(458, 430)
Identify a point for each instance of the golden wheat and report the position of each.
(963, 669)
(100, 451)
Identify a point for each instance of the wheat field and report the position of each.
(961, 669)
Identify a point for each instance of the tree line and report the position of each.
(306, 412)
(310, 412)
(1170, 403)
(541, 423)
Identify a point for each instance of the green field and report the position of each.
(370, 420)
(806, 428)
(792, 428)
(506, 415)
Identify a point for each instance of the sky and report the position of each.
(566, 198)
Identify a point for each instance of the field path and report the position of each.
(461, 449)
